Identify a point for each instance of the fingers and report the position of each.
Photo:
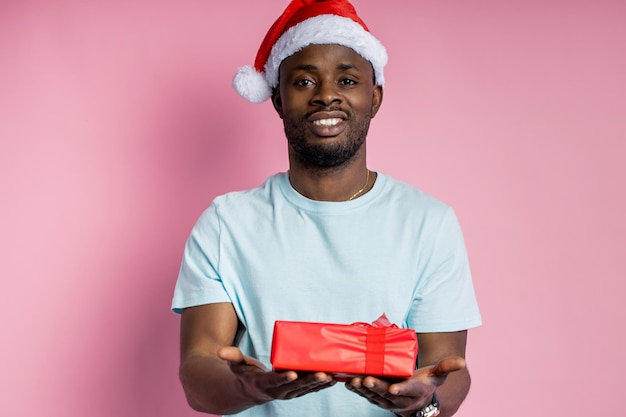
(307, 384)
(283, 385)
(406, 395)
(421, 383)
(370, 387)
(374, 390)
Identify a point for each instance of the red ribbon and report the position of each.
(375, 350)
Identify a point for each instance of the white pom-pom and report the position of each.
(251, 85)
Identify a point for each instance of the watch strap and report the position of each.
(431, 410)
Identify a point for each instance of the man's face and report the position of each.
(326, 98)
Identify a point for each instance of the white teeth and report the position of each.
(327, 122)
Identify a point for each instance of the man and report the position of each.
(328, 241)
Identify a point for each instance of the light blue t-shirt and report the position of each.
(277, 255)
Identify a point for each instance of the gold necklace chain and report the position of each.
(367, 180)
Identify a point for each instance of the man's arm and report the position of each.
(441, 368)
(218, 378)
(433, 347)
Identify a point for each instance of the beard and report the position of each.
(324, 155)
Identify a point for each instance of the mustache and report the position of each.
(329, 109)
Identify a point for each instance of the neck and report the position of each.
(332, 184)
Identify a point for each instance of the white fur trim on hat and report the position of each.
(327, 29)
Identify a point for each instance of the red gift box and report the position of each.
(344, 350)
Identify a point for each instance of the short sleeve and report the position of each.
(444, 299)
(199, 280)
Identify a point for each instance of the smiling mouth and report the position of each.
(327, 122)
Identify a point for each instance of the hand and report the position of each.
(263, 385)
(410, 395)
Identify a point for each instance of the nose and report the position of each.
(326, 94)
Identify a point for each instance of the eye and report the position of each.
(304, 82)
(348, 82)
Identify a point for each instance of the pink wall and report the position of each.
(118, 126)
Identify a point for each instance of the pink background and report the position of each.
(118, 127)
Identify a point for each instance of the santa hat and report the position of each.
(303, 23)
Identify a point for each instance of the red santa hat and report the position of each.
(303, 23)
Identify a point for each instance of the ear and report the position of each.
(377, 99)
(277, 101)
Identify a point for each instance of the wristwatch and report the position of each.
(431, 410)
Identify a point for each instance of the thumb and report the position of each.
(448, 365)
(237, 360)
(231, 354)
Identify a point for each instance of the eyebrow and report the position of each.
(346, 67)
(306, 67)
(311, 67)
